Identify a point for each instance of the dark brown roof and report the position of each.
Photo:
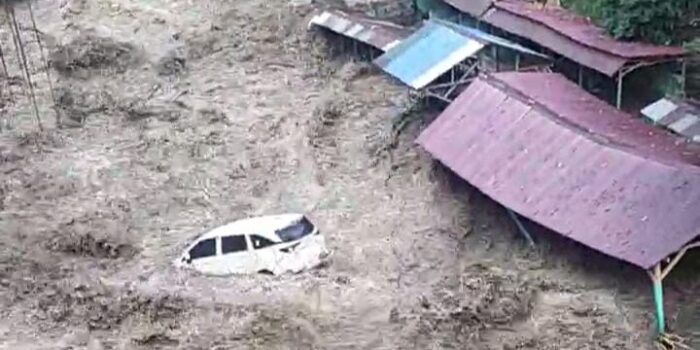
(540, 145)
(573, 36)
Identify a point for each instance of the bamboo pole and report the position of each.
(4, 69)
(22, 57)
(44, 61)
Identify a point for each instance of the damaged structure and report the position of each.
(359, 33)
(441, 57)
(681, 117)
(570, 36)
(548, 150)
(537, 142)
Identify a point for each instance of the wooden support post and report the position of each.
(437, 96)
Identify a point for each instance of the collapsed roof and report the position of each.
(379, 34)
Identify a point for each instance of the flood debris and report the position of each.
(243, 122)
(89, 53)
(171, 64)
(482, 299)
(88, 245)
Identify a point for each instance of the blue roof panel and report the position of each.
(427, 54)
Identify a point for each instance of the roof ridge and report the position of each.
(526, 6)
(586, 132)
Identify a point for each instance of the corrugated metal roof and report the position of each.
(681, 117)
(476, 8)
(540, 145)
(379, 34)
(427, 54)
(572, 36)
(490, 39)
(437, 47)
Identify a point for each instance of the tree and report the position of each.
(657, 21)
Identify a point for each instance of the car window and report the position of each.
(203, 249)
(233, 244)
(260, 242)
(296, 230)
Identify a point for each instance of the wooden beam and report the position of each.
(432, 94)
(677, 258)
(463, 79)
(447, 85)
(521, 227)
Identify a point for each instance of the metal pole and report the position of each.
(517, 62)
(659, 299)
(580, 77)
(498, 63)
(620, 76)
(521, 227)
(684, 68)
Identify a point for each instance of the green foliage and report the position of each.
(658, 21)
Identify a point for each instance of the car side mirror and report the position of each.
(186, 259)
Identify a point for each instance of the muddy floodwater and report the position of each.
(180, 116)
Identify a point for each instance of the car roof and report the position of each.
(261, 225)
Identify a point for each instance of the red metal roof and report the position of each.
(573, 36)
(475, 8)
(540, 145)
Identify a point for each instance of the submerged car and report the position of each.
(272, 244)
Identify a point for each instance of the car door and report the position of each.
(202, 256)
(236, 255)
(267, 256)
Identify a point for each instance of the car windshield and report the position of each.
(296, 230)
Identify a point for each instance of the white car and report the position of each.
(268, 244)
